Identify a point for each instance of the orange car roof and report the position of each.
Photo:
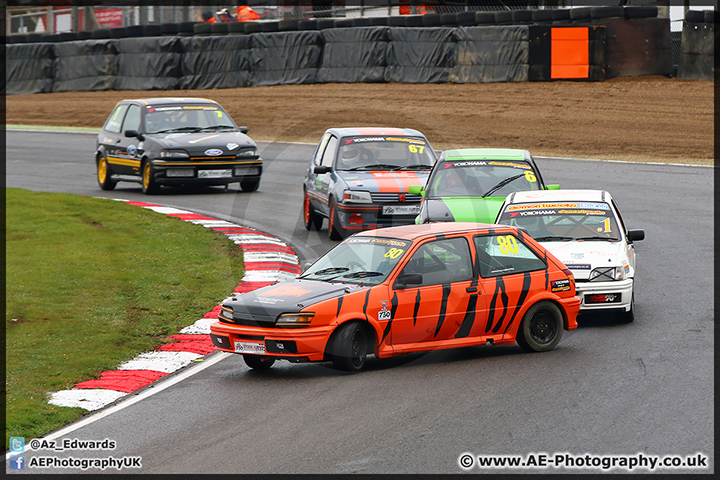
(414, 232)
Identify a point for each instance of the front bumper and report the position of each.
(368, 216)
(618, 295)
(174, 172)
(301, 344)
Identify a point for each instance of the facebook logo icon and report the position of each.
(17, 462)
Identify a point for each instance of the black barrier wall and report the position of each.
(429, 54)
(215, 62)
(698, 48)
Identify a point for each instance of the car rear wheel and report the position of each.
(249, 185)
(258, 362)
(148, 179)
(313, 221)
(104, 174)
(541, 327)
(334, 229)
(349, 346)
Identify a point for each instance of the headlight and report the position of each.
(226, 314)
(294, 319)
(247, 153)
(607, 274)
(173, 154)
(353, 196)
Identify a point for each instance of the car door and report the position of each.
(111, 139)
(324, 181)
(129, 149)
(312, 187)
(509, 271)
(444, 305)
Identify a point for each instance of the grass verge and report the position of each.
(91, 283)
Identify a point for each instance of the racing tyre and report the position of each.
(148, 179)
(334, 229)
(258, 362)
(249, 185)
(541, 327)
(348, 348)
(629, 316)
(313, 221)
(104, 175)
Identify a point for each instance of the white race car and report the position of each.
(584, 229)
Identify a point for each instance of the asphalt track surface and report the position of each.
(607, 389)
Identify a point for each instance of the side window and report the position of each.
(132, 118)
(115, 119)
(505, 255)
(321, 149)
(329, 155)
(441, 262)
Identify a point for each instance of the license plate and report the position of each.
(401, 209)
(214, 173)
(248, 347)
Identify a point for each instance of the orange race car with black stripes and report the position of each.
(175, 141)
(406, 289)
(358, 179)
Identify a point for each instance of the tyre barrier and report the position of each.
(697, 54)
(636, 42)
(267, 260)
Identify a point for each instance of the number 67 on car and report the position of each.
(406, 289)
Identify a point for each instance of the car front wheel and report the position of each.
(249, 185)
(148, 179)
(541, 327)
(349, 346)
(629, 316)
(334, 228)
(313, 221)
(258, 362)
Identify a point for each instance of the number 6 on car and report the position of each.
(406, 289)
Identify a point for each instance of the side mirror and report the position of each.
(306, 266)
(134, 133)
(243, 129)
(552, 187)
(408, 279)
(636, 235)
(416, 190)
(320, 169)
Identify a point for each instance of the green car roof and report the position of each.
(485, 154)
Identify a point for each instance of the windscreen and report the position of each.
(563, 221)
(365, 260)
(384, 153)
(187, 118)
(481, 178)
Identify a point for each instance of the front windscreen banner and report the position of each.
(563, 221)
(481, 178)
(384, 152)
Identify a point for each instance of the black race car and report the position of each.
(175, 141)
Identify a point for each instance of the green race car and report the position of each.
(470, 185)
